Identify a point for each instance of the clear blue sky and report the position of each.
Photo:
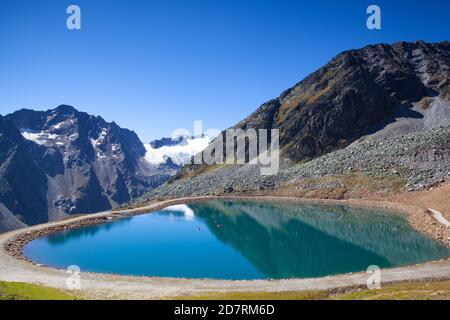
(155, 66)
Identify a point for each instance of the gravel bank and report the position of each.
(411, 162)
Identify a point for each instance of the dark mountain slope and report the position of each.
(23, 184)
(63, 161)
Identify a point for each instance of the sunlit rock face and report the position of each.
(360, 92)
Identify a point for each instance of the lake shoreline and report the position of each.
(12, 244)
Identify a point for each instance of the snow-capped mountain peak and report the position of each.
(179, 150)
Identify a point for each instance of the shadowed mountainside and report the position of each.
(63, 161)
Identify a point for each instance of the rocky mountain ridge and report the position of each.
(62, 161)
(380, 113)
(359, 92)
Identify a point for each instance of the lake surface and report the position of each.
(240, 240)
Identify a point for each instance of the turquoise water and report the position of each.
(240, 240)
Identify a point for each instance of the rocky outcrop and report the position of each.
(8, 221)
